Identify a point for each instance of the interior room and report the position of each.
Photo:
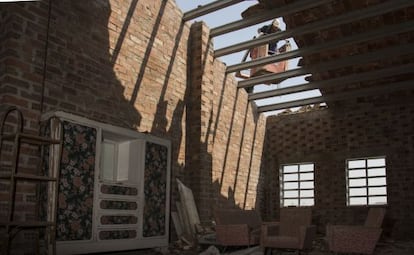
(207, 127)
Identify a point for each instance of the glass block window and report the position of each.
(297, 185)
(366, 181)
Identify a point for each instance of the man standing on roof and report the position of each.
(269, 29)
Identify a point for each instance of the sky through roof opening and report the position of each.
(233, 13)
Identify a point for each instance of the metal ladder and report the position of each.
(47, 173)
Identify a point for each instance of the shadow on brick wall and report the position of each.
(84, 75)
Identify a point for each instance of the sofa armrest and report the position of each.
(306, 236)
(359, 239)
(268, 229)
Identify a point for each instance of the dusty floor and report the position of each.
(383, 248)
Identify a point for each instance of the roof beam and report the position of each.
(266, 78)
(375, 10)
(290, 104)
(389, 52)
(371, 35)
(340, 96)
(358, 77)
(265, 16)
(208, 8)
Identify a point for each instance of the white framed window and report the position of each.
(366, 181)
(297, 185)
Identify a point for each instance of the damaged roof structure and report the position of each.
(332, 36)
(146, 111)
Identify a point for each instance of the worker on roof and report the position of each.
(269, 29)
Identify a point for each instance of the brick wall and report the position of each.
(119, 62)
(21, 64)
(363, 127)
(224, 131)
(125, 63)
(114, 61)
(22, 55)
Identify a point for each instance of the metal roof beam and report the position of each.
(389, 52)
(290, 104)
(209, 8)
(371, 35)
(265, 16)
(375, 10)
(340, 96)
(358, 77)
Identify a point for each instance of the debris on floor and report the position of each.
(212, 250)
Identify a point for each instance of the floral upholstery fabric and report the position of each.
(117, 220)
(155, 190)
(118, 205)
(76, 191)
(75, 200)
(119, 190)
(110, 220)
(117, 234)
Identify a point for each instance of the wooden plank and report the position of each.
(177, 224)
(189, 206)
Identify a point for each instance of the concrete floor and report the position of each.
(383, 248)
(390, 248)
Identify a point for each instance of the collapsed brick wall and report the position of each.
(225, 132)
(364, 127)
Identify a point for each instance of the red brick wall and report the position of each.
(115, 61)
(21, 58)
(224, 131)
(125, 63)
(378, 126)
(119, 62)
(21, 64)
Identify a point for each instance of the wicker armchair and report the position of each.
(235, 227)
(356, 239)
(294, 232)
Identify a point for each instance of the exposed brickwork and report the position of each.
(224, 131)
(21, 64)
(126, 63)
(367, 127)
(349, 29)
(119, 62)
(360, 127)
(22, 47)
